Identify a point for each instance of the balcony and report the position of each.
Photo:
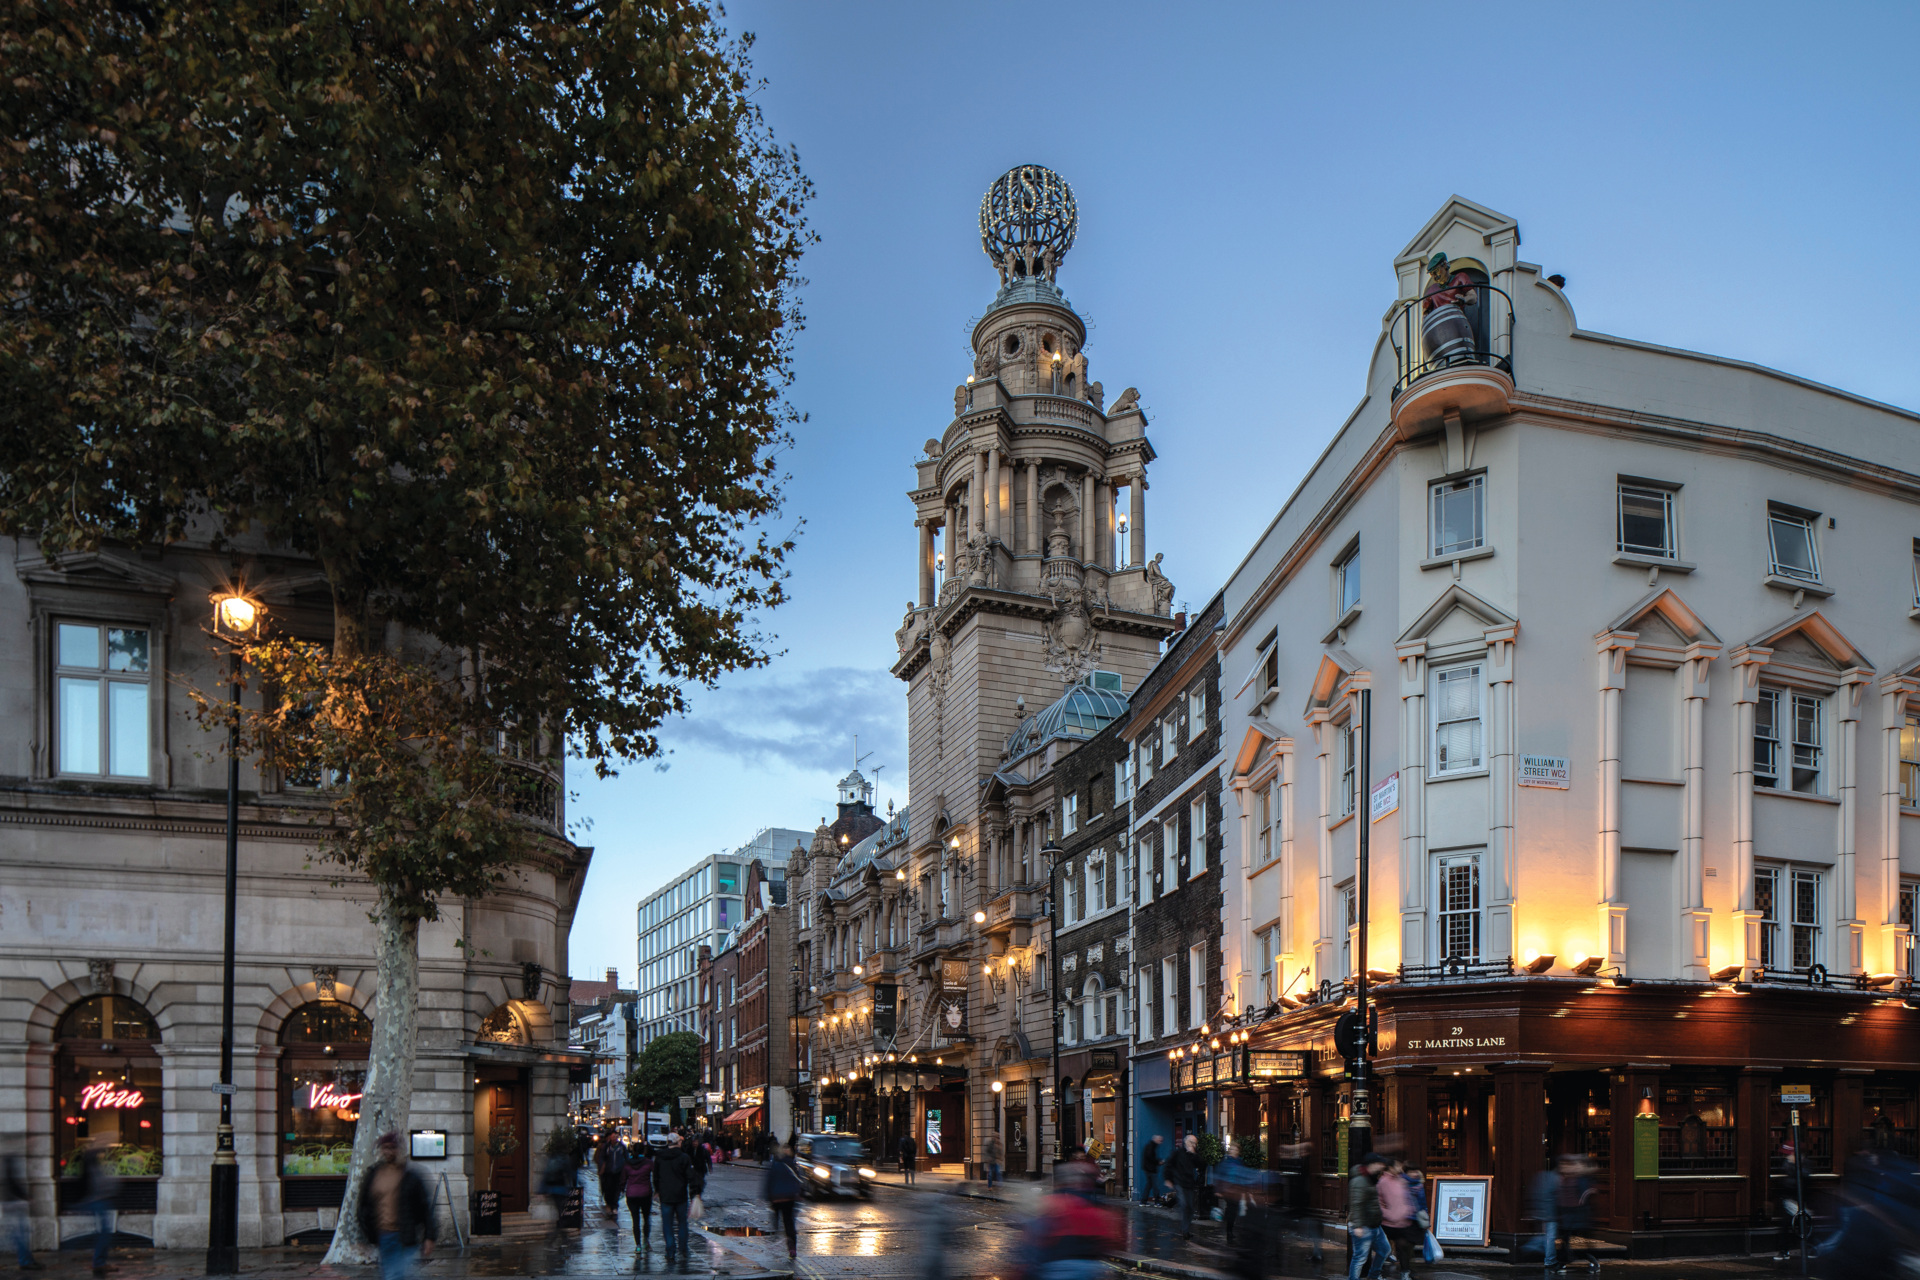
(533, 792)
(1451, 359)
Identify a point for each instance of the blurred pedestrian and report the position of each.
(1294, 1193)
(908, 1150)
(1185, 1172)
(995, 1152)
(612, 1168)
(1398, 1216)
(1072, 1233)
(783, 1187)
(1546, 1207)
(17, 1206)
(97, 1190)
(1150, 1170)
(639, 1190)
(1574, 1210)
(1231, 1177)
(558, 1182)
(676, 1180)
(1364, 1238)
(396, 1213)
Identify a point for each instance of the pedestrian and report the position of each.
(396, 1213)
(1546, 1207)
(908, 1151)
(702, 1155)
(557, 1183)
(1364, 1238)
(96, 1196)
(995, 1152)
(1071, 1233)
(639, 1191)
(1399, 1216)
(613, 1179)
(1150, 1169)
(676, 1180)
(1184, 1172)
(1574, 1210)
(1295, 1194)
(782, 1186)
(16, 1204)
(1231, 1177)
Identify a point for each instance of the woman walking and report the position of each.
(639, 1189)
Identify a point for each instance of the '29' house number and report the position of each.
(1456, 1038)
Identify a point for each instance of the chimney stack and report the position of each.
(613, 976)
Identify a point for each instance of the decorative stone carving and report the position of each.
(325, 976)
(1073, 641)
(981, 565)
(100, 975)
(913, 628)
(1162, 588)
(959, 400)
(1096, 394)
(501, 1027)
(1096, 953)
(1070, 963)
(1122, 943)
(1129, 399)
(530, 977)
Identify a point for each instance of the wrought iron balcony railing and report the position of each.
(1469, 324)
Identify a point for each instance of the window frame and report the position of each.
(1786, 742)
(1197, 837)
(1809, 521)
(1169, 995)
(1196, 985)
(1443, 913)
(1910, 759)
(1782, 932)
(1475, 485)
(1196, 712)
(104, 679)
(1170, 855)
(1348, 801)
(1667, 495)
(1474, 670)
(1348, 581)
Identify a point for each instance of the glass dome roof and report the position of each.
(1082, 711)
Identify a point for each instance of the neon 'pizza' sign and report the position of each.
(105, 1094)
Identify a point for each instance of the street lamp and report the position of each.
(236, 619)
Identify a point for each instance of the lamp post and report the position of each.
(236, 618)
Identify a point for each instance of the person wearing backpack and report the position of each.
(782, 1187)
(613, 1178)
(639, 1190)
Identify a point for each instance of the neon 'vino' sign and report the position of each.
(104, 1094)
(325, 1095)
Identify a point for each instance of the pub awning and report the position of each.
(741, 1116)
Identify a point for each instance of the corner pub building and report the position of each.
(1639, 634)
(112, 872)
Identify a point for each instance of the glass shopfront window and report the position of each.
(323, 1068)
(108, 1087)
(1816, 1130)
(1887, 1120)
(1697, 1133)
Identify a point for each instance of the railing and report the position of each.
(532, 792)
(1456, 969)
(1818, 1140)
(1064, 409)
(1815, 975)
(1468, 325)
(1697, 1150)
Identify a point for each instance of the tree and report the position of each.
(485, 309)
(669, 1069)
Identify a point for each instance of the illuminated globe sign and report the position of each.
(1027, 221)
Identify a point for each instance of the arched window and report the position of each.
(323, 1070)
(108, 1085)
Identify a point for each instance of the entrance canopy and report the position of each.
(741, 1116)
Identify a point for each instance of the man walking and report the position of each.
(15, 1203)
(782, 1187)
(908, 1150)
(97, 1190)
(1363, 1218)
(613, 1179)
(995, 1152)
(1150, 1169)
(675, 1182)
(1400, 1217)
(1185, 1172)
(396, 1212)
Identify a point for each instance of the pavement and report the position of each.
(941, 1228)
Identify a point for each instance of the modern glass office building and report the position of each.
(701, 905)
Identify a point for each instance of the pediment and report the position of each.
(1253, 744)
(1335, 666)
(1460, 212)
(1661, 618)
(1811, 640)
(1456, 615)
(96, 570)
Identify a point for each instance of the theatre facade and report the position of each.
(1609, 652)
(112, 874)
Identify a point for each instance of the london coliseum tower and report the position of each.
(1035, 589)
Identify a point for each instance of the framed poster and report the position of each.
(427, 1144)
(1462, 1206)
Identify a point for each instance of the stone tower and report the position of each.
(1032, 577)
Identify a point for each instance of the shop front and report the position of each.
(108, 1094)
(1682, 1097)
(1093, 1087)
(323, 1069)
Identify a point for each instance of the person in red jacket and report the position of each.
(1073, 1232)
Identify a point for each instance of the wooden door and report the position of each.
(509, 1103)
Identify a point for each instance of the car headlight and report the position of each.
(867, 1173)
(822, 1171)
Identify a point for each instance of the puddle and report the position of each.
(738, 1231)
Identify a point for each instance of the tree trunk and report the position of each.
(388, 1089)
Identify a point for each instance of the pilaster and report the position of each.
(1413, 802)
(1747, 661)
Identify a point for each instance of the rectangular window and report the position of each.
(1169, 995)
(1263, 806)
(1169, 740)
(1910, 760)
(1196, 712)
(1197, 838)
(1916, 573)
(103, 676)
(1114, 1023)
(1122, 783)
(1790, 545)
(1457, 730)
(1143, 859)
(1646, 522)
(1144, 753)
(1123, 877)
(1346, 582)
(1788, 900)
(1348, 918)
(1096, 884)
(1143, 1001)
(1069, 814)
(1196, 984)
(1458, 902)
(1349, 768)
(1269, 987)
(1170, 856)
(1459, 515)
(1909, 912)
(1796, 720)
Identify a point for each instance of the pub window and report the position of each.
(1910, 760)
(1887, 1119)
(1446, 1121)
(103, 675)
(1263, 826)
(1909, 909)
(107, 1085)
(1333, 1118)
(1457, 729)
(1796, 720)
(1594, 1124)
(1457, 902)
(323, 1068)
(1788, 900)
(1816, 1129)
(1349, 916)
(1697, 1133)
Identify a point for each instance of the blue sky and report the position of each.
(1740, 179)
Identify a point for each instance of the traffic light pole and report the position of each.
(1360, 1125)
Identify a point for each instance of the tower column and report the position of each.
(976, 497)
(1034, 543)
(953, 536)
(1137, 533)
(923, 545)
(993, 493)
(1086, 517)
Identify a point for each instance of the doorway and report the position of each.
(500, 1110)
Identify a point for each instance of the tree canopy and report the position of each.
(668, 1070)
(485, 306)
